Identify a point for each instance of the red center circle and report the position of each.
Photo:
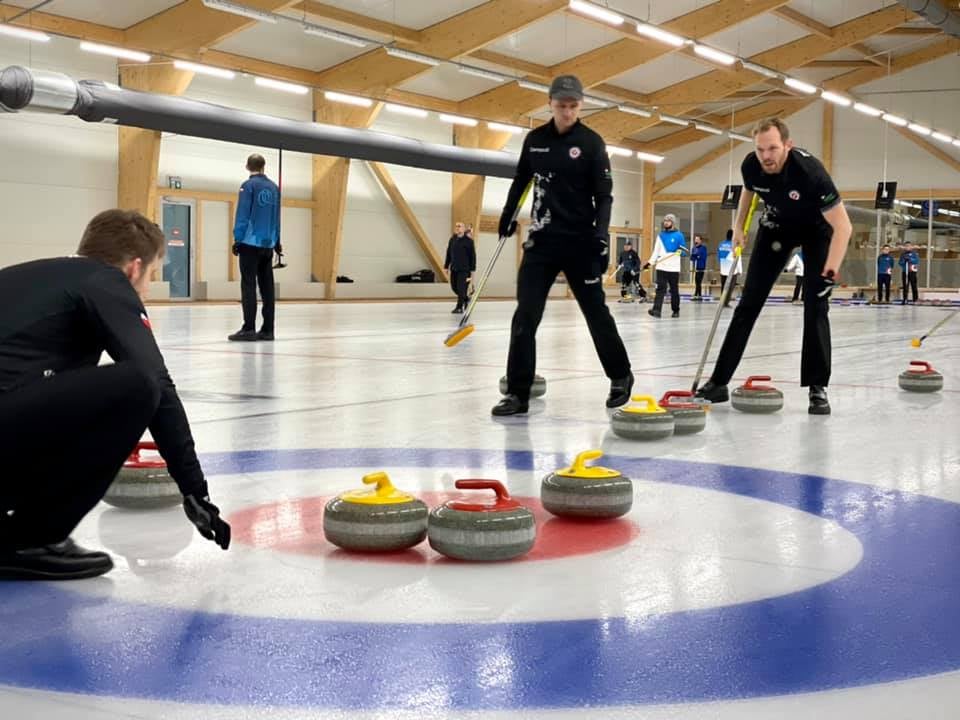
(296, 526)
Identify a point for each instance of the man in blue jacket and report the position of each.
(884, 274)
(256, 236)
(698, 258)
(909, 265)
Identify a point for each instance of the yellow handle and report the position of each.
(384, 486)
(648, 399)
(580, 462)
(581, 470)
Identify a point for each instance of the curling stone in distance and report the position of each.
(753, 398)
(646, 421)
(688, 417)
(538, 389)
(587, 492)
(143, 482)
(379, 519)
(920, 377)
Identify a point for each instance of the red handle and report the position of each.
(142, 445)
(665, 401)
(749, 384)
(503, 500)
(924, 366)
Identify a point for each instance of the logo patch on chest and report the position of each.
(793, 195)
(574, 152)
(146, 321)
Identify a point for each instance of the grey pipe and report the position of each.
(908, 221)
(936, 13)
(23, 89)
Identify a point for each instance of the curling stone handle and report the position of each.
(670, 394)
(922, 366)
(648, 400)
(756, 378)
(382, 480)
(494, 485)
(142, 445)
(580, 462)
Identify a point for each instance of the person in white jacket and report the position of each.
(728, 267)
(666, 260)
(796, 266)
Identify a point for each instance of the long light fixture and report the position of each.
(867, 109)
(348, 99)
(920, 129)
(501, 127)
(242, 10)
(650, 157)
(406, 110)
(738, 136)
(458, 120)
(895, 120)
(407, 55)
(708, 129)
(957, 142)
(334, 35)
(655, 33)
(23, 33)
(800, 86)
(634, 111)
(674, 120)
(619, 151)
(596, 12)
(591, 100)
(114, 52)
(204, 69)
(528, 85)
(481, 73)
(841, 100)
(717, 56)
(942, 137)
(760, 69)
(282, 86)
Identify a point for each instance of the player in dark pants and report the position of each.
(67, 424)
(803, 209)
(461, 261)
(909, 265)
(884, 273)
(572, 198)
(698, 259)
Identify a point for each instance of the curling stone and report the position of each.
(379, 519)
(647, 421)
(688, 417)
(920, 377)
(465, 530)
(143, 482)
(587, 492)
(538, 389)
(753, 398)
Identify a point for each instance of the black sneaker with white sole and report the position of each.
(713, 392)
(819, 404)
(620, 390)
(510, 405)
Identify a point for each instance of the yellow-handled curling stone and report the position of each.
(538, 389)
(587, 492)
(646, 421)
(378, 519)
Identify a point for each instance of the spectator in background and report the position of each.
(909, 265)
(727, 266)
(461, 262)
(796, 266)
(698, 259)
(884, 274)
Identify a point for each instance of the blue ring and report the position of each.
(894, 616)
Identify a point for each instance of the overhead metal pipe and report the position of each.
(937, 13)
(24, 89)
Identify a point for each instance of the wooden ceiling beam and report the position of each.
(361, 22)
(807, 23)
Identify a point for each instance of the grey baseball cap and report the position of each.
(566, 86)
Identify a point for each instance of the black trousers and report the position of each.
(723, 282)
(63, 439)
(883, 286)
(541, 264)
(698, 279)
(766, 264)
(458, 283)
(665, 279)
(256, 268)
(797, 286)
(629, 278)
(909, 278)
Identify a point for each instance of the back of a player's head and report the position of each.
(118, 236)
(256, 163)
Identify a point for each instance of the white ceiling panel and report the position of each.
(835, 12)
(414, 14)
(287, 44)
(662, 72)
(554, 39)
(114, 13)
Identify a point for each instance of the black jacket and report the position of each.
(61, 314)
(573, 188)
(461, 255)
(630, 260)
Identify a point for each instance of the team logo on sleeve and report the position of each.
(794, 195)
(146, 321)
(574, 152)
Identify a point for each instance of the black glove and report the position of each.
(823, 285)
(507, 227)
(206, 516)
(645, 266)
(236, 248)
(278, 248)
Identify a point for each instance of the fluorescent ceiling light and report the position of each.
(867, 110)
(348, 99)
(415, 57)
(650, 157)
(527, 85)
(634, 111)
(840, 100)
(204, 69)
(717, 56)
(590, 100)
(760, 69)
(334, 35)
(895, 120)
(597, 12)
(458, 120)
(406, 110)
(280, 85)
(920, 129)
(800, 85)
(708, 129)
(481, 73)
(738, 136)
(942, 137)
(619, 151)
(674, 120)
(655, 33)
(957, 142)
(115, 52)
(242, 10)
(500, 127)
(23, 33)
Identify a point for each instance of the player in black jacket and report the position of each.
(802, 208)
(569, 233)
(67, 424)
(461, 261)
